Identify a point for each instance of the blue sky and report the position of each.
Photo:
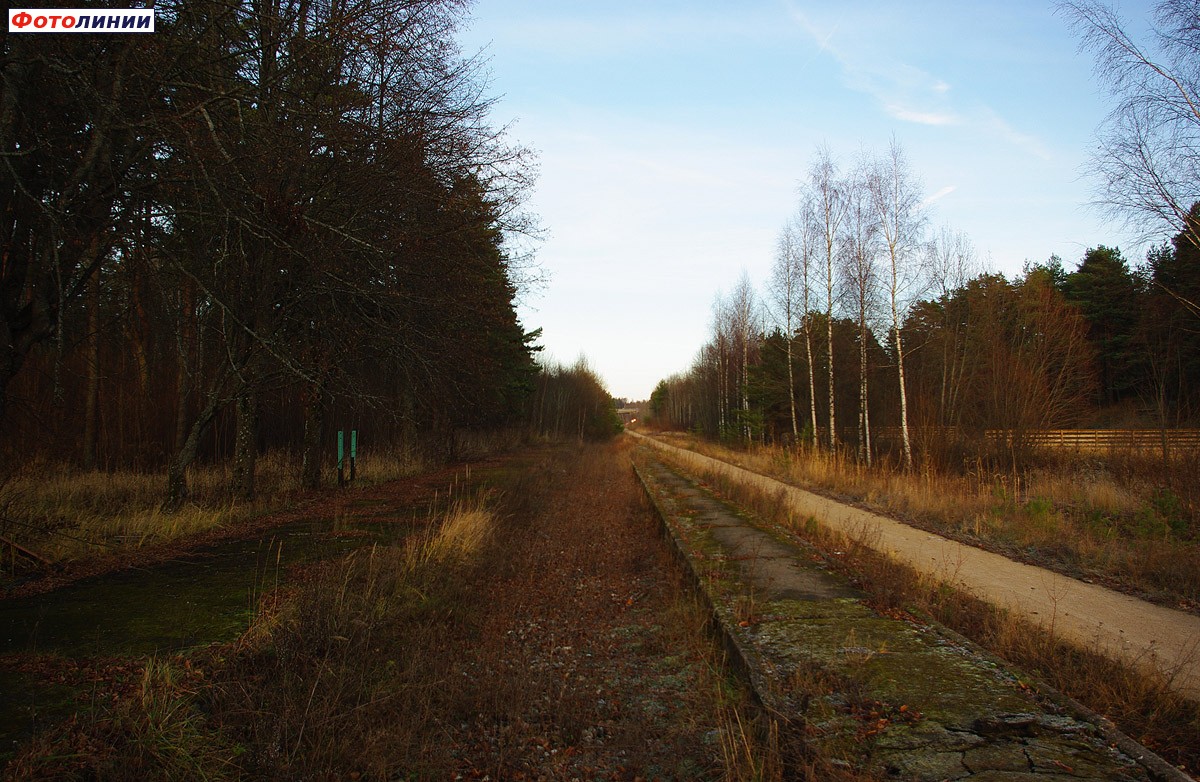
(671, 137)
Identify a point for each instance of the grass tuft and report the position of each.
(159, 732)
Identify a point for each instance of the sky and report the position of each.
(671, 137)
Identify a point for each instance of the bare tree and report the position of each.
(743, 314)
(791, 289)
(859, 249)
(806, 229)
(896, 197)
(950, 263)
(786, 279)
(829, 206)
(722, 327)
(1147, 163)
(1033, 364)
(72, 145)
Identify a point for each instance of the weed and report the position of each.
(159, 732)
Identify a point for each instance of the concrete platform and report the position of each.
(898, 698)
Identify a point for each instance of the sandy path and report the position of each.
(1094, 616)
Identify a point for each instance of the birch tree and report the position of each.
(859, 248)
(742, 312)
(896, 196)
(805, 226)
(1147, 166)
(722, 345)
(786, 281)
(829, 207)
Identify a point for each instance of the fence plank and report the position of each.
(1076, 439)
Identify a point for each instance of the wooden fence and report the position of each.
(1080, 440)
(1093, 440)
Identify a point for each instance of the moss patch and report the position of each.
(889, 696)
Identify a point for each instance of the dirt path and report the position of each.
(1094, 616)
(584, 668)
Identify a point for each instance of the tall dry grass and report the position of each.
(347, 675)
(63, 513)
(1115, 521)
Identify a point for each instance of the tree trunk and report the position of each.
(832, 421)
(792, 388)
(245, 445)
(92, 394)
(137, 326)
(745, 382)
(720, 392)
(812, 384)
(185, 338)
(904, 437)
(864, 415)
(177, 488)
(314, 437)
(20, 331)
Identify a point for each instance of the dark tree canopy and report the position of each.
(1107, 293)
(298, 203)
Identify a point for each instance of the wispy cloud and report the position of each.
(901, 90)
(993, 122)
(904, 92)
(938, 196)
(921, 117)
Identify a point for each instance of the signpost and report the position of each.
(341, 453)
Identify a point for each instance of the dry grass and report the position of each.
(1144, 705)
(350, 674)
(454, 653)
(344, 674)
(158, 731)
(64, 513)
(1120, 523)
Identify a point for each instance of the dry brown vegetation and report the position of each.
(1143, 705)
(1113, 520)
(63, 513)
(540, 633)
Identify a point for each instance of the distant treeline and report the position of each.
(925, 343)
(260, 222)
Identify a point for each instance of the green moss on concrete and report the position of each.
(891, 696)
